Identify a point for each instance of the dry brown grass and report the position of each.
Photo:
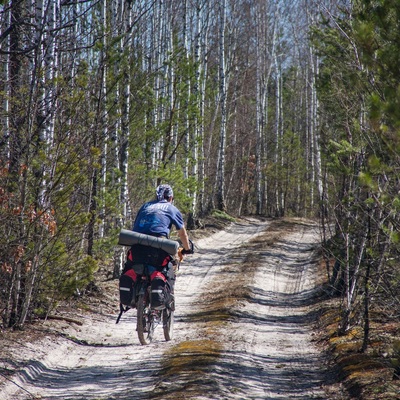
(370, 375)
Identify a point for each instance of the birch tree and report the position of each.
(14, 137)
(263, 71)
(222, 100)
(201, 60)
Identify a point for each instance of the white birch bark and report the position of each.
(104, 125)
(263, 72)
(164, 62)
(266, 42)
(317, 148)
(187, 95)
(5, 155)
(280, 131)
(123, 18)
(171, 78)
(116, 30)
(197, 132)
(203, 69)
(125, 131)
(277, 132)
(259, 108)
(315, 151)
(155, 69)
(222, 100)
(51, 68)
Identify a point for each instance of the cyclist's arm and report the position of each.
(184, 238)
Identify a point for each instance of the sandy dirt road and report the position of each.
(238, 334)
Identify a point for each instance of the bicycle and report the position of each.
(135, 292)
(148, 317)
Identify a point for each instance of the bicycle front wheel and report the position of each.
(145, 322)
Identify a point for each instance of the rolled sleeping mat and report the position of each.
(128, 238)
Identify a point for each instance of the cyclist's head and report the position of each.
(164, 192)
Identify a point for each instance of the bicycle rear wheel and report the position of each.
(145, 322)
(168, 323)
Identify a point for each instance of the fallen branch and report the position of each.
(62, 318)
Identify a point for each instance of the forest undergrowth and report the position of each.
(373, 374)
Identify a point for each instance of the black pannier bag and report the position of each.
(158, 293)
(127, 293)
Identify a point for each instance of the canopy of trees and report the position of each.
(266, 107)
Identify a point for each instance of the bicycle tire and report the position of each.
(145, 325)
(168, 323)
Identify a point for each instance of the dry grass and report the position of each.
(370, 375)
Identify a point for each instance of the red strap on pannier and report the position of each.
(157, 274)
(132, 274)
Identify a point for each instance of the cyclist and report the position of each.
(156, 218)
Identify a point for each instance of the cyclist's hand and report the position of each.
(190, 251)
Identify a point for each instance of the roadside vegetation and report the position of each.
(270, 108)
(365, 374)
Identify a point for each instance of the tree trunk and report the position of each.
(104, 122)
(222, 99)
